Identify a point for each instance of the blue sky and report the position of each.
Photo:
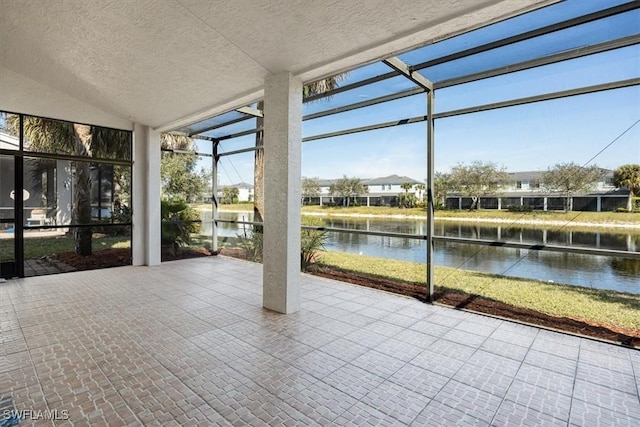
(527, 137)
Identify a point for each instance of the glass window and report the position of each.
(9, 131)
(61, 137)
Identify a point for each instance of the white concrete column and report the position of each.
(146, 196)
(282, 192)
(599, 204)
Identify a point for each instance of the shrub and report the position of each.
(311, 242)
(179, 221)
(251, 244)
(123, 216)
(519, 208)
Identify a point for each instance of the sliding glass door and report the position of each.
(8, 262)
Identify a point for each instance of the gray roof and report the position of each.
(240, 185)
(526, 175)
(391, 179)
(537, 175)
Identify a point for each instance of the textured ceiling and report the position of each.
(167, 62)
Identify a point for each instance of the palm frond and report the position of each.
(170, 141)
(48, 135)
(323, 85)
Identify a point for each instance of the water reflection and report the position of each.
(577, 269)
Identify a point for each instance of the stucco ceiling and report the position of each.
(164, 63)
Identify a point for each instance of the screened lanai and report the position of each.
(425, 89)
(554, 86)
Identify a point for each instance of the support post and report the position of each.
(146, 196)
(430, 194)
(214, 199)
(282, 193)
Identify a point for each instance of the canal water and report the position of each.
(584, 270)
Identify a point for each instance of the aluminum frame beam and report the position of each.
(250, 111)
(482, 242)
(544, 97)
(531, 34)
(401, 122)
(362, 104)
(430, 191)
(538, 62)
(407, 71)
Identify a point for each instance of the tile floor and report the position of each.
(187, 343)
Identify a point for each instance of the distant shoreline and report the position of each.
(491, 220)
(517, 221)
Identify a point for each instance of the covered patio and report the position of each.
(188, 343)
(218, 341)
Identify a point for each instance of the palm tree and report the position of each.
(406, 186)
(312, 89)
(628, 176)
(420, 188)
(47, 135)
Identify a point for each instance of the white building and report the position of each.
(526, 189)
(245, 191)
(531, 182)
(380, 191)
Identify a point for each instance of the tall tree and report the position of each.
(310, 188)
(179, 173)
(310, 90)
(476, 180)
(230, 195)
(569, 179)
(441, 186)
(47, 135)
(628, 176)
(347, 188)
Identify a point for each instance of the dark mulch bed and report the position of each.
(119, 257)
(101, 259)
(185, 254)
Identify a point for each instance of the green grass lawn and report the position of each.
(589, 217)
(37, 247)
(592, 305)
